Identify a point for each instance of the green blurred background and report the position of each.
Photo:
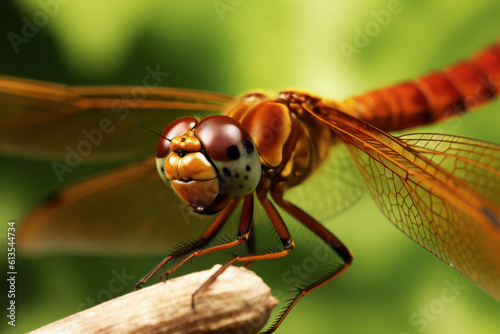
(255, 45)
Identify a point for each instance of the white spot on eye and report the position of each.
(241, 176)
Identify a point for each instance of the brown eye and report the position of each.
(233, 153)
(221, 136)
(176, 128)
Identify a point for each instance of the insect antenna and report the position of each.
(156, 133)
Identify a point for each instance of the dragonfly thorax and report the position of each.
(292, 144)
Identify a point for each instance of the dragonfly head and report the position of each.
(208, 162)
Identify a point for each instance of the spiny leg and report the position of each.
(242, 236)
(329, 238)
(251, 243)
(207, 236)
(283, 233)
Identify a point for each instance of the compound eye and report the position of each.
(176, 128)
(232, 151)
(221, 136)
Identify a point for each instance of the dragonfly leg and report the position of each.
(251, 247)
(331, 240)
(207, 236)
(242, 236)
(283, 233)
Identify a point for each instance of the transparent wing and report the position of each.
(445, 212)
(473, 161)
(129, 210)
(47, 120)
(334, 188)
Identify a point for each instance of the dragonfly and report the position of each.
(247, 153)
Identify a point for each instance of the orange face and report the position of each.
(190, 173)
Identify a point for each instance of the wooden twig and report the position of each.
(237, 302)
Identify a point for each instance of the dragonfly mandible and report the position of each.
(441, 191)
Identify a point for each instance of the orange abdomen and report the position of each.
(436, 96)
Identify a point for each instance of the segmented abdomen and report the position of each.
(436, 96)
